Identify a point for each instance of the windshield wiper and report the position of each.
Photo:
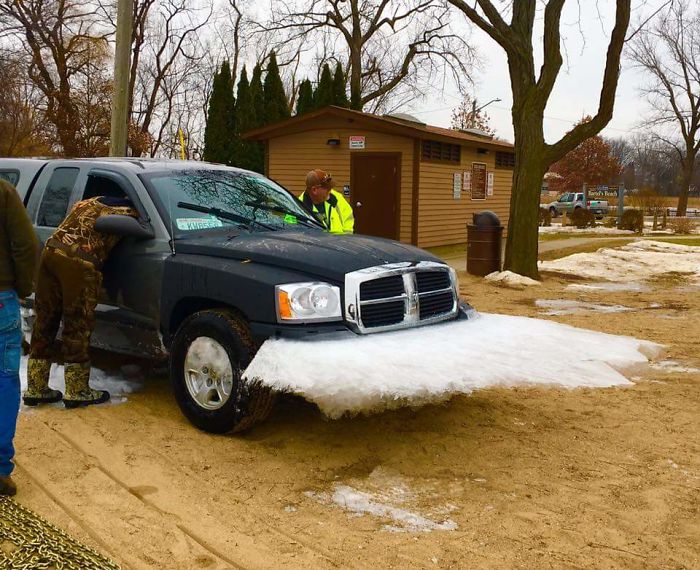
(223, 214)
(308, 222)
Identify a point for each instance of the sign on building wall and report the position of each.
(489, 184)
(457, 185)
(357, 142)
(467, 182)
(478, 181)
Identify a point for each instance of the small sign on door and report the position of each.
(357, 142)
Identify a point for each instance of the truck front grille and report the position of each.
(433, 305)
(382, 288)
(400, 296)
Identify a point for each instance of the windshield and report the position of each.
(257, 203)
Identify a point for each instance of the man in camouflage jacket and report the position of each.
(68, 286)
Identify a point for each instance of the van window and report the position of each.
(11, 176)
(54, 202)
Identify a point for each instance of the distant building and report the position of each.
(405, 180)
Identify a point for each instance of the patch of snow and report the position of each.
(348, 373)
(601, 230)
(119, 385)
(389, 500)
(510, 279)
(557, 307)
(633, 262)
(673, 366)
(613, 287)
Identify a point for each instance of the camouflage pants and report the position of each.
(67, 289)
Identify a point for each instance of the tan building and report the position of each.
(405, 180)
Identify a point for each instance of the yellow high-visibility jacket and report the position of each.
(336, 213)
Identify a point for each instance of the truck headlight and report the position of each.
(313, 301)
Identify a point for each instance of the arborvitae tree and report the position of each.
(256, 93)
(246, 152)
(324, 91)
(340, 95)
(276, 104)
(218, 140)
(305, 99)
(255, 159)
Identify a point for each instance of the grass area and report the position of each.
(444, 251)
(695, 241)
(570, 235)
(584, 248)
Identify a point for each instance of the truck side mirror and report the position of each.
(126, 226)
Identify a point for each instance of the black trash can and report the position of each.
(484, 244)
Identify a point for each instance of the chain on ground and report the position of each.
(28, 542)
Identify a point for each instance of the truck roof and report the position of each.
(132, 163)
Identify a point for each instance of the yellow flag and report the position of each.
(182, 144)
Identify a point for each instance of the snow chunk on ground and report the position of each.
(600, 230)
(362, 373)
(570, 307)
(604, 286)
(390, 499)
(119, 385)
(673, 366)
(510, 279)
(633, 262)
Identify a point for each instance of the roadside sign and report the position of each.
(357, 142)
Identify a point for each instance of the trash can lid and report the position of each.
(486, 219)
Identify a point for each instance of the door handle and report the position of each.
(358, 204)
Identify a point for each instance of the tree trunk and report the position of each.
(356, 79)
(523, 223)
(686, 179)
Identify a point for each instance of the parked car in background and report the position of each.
(570, 201)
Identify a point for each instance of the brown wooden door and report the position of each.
(375, 181)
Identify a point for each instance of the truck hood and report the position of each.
(317, 253)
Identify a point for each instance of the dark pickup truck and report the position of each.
(222, 259)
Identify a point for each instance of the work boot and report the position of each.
(38, 391)
(78, 391)
(7, 487)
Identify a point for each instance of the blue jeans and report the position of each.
(10, 347)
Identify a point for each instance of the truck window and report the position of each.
(99, 186)
(54, 202)
(11, 176)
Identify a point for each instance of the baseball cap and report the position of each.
(319, 178)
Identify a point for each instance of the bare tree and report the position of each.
(166, 46)
(669, 51)
(22, 129)
(388, 45)
(57, 36)
(531, 92)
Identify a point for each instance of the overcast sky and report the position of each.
(578, 86)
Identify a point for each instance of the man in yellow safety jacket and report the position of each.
(328, 205)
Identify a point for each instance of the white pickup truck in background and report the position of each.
(570, 201)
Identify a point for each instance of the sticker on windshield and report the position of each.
(198, 223)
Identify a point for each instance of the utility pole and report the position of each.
(122, 65)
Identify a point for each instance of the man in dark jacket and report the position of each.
(68, 286)
(18, 255)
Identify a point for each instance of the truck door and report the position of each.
(129, 308)
(49, 207)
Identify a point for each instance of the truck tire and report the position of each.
(210, 351)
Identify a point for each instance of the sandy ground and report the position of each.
(531, 477)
